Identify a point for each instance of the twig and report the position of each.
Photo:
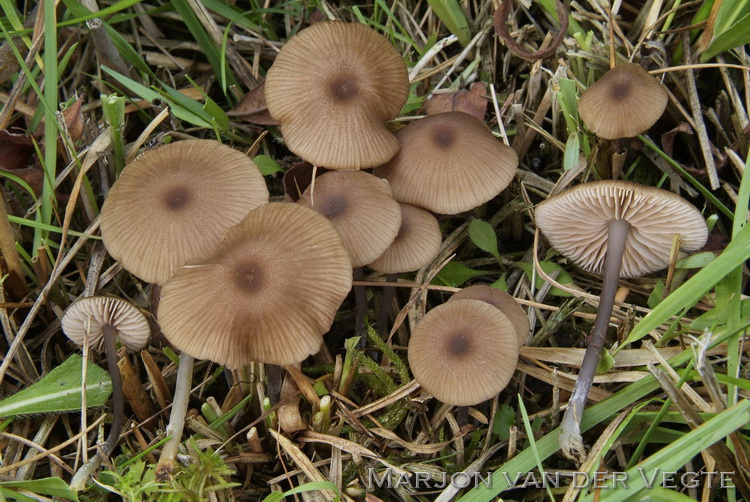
(500, 21)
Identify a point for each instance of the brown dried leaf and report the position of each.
(471, 101)
(74, 119)
(297, 178)
(667, 139)
(15, 150)
(252, 107)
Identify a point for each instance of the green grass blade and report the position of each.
(60, 391)
(452, 16)
(735, 254)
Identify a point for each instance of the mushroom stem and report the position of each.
(385, 307)
(118, 398)
(570, 436)
(360, 309)
(176, 419)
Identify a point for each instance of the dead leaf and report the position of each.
(297, 178)
(471, 101)
(667, 139)
(74, 119)
(15, 150)
(252, 107)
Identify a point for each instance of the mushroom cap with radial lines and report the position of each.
(449, 163)
(503, 301)
(463, 352)
(416, 244)
(87, 317)
(361, 208)
(268, 293)
(174, 203)
(576, 223)
(625, 102)
(332, 87)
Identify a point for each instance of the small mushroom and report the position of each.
(619, 229)
(102, 319)
(332, 87)
(625, 102)
(463, 352)
(449, 163)
(268, 292)
(501, 300)
(361, 209)
(174, 203)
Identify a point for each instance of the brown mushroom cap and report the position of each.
(174, 203)
(268, 293)
(503, 301)
(416, 244)
(625, 102)
(463, 352)
(87, 317)
(361, 208)
(576, 223)
(449, 163)
(332, 87)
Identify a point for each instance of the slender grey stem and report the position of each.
(570, 438)
(176, 419)
(118, 398)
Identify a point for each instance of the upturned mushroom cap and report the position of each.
(463, 352)
(87, 317)
(449, 163)
(361, 208)
(625, 102)
(268, 293)
(576, 221)
(332, 87)
(501, 300)
(174, 203)
(416, 244)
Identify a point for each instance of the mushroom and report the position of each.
(361, 209)
(100, 320)
(332, 87)
(619, 229)
(174, 203)
(501, 300)
(415, 246)
(463, 352)
(268, 293)
(449, 163)
(623, 103)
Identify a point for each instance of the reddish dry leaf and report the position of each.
(74, 119)
(15, 150)
(667, 139)
(471, 101)
(252, 107)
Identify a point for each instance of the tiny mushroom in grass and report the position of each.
(449, 163)
(101, 319)
(625, 102)
(267, 294)
(174, 203)
(332, 87)
(360, 207)
(463, 352)
(501, 300)
(618, 229)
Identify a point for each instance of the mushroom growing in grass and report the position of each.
(449, 163)
(361, 208)
(332, 87)
(625, 102)
(501, 300)
(618, 229)
(463, 352)
(174, 203)
(97, 321)
(415, 246)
